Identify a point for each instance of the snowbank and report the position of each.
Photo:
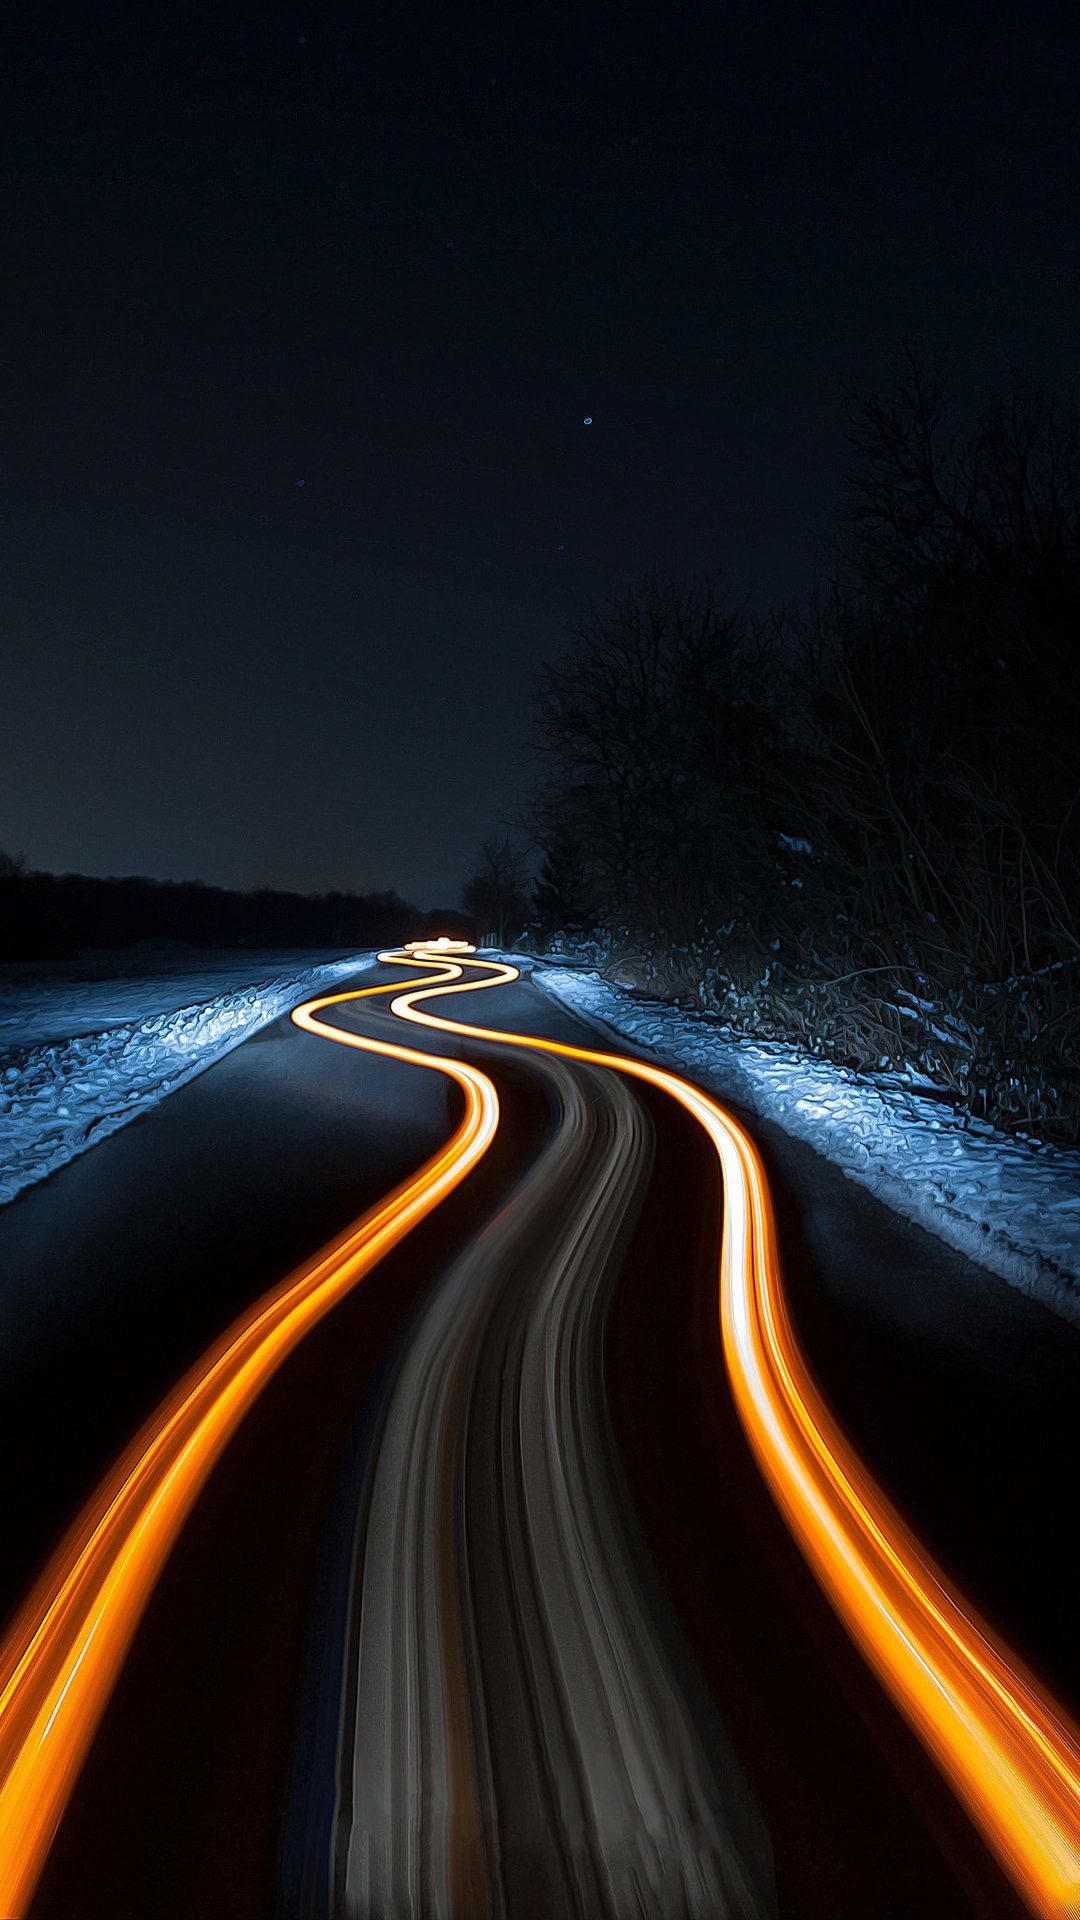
(1008, 1203)
(62, 1001)
(77, 1075)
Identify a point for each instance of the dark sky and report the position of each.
(305, 309)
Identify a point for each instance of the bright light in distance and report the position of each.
(442, 945)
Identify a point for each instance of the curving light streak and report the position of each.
(1007, 1750)
(62, 1654)
(1009, 1753)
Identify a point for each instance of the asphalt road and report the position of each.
(486, 1608)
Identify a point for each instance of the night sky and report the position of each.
(305, 311)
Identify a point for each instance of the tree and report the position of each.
(494, 893)
(561, 894)
(653, 739)
(955, 678)
(858, 825)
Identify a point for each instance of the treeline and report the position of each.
(856, 826)
(56, 916)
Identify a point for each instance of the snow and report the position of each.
(1009, 1203)
(81, 1057)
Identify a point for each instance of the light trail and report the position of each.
(1006, 1749)
(63, 1652)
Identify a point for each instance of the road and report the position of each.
(502, 1559)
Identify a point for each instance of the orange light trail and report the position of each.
(1009, 1753)
(63, 1652)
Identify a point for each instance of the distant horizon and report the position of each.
(436, 905)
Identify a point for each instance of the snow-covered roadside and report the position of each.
(1008, 1203)
(64, 1001)
(59, 1098)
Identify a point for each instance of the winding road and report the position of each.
(521, 1691)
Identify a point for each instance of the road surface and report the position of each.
(488, 1567)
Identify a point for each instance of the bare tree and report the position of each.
(562, 895)
(651, 738)
(816, 821)
(495, 892)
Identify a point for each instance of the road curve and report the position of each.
(515, 1742)
(1006, 1749)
